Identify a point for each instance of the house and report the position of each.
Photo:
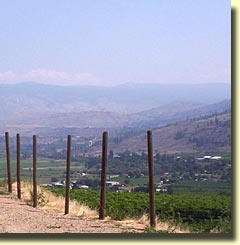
(216, 158)
(82, 186)
(57, 185)
(207, 157)
(112, 183)
(161, 190)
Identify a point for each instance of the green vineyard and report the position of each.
(197, 212)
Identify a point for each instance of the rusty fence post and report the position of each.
(67, 194)
(34, 171)
(18, 167)
(103, 176)
(151, 180)
(8, 162)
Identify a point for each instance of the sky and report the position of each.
(111, 42)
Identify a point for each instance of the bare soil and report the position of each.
(18, 217)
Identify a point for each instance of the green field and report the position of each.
(202, 187)
(46, 169)
(198, 212)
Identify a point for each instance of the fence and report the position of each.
(102, 201)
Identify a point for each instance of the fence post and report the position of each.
(34, 171)
(103, 176)
(151, 179)
(18, 167)
(8, 162)
(67, 195)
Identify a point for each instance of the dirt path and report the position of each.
(17, 217)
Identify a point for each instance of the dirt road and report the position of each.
(18, 217)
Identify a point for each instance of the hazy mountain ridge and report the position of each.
(182, 111)
(34, 122)
(121, 99)
(29, 106)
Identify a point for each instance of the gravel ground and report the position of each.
(18, 217)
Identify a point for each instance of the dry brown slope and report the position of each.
(214, 132)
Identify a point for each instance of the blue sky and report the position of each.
(109, 42)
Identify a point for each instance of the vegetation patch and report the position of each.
(198, 212)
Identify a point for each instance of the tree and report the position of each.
(179, 135)
(53, 179)
(170, 190)
(158, 157)
(131, 174)
(127, 181)
(111, 154)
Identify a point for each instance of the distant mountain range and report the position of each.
(32, 106)
(128, 98)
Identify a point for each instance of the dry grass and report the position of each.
(57, 204)
(144, 222)
(49, 202)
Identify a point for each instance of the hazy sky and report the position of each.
(115, 41)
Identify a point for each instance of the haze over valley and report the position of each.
(33, 105)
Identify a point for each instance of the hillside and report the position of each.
(180, 110)
(129, 98)
(49, 123)
(212, 133)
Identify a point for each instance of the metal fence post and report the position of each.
(18, 167)
(151, 179)
(103, 176)
(8, 162)
(67, 195)
(34, 171)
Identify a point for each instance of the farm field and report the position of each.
(209, 187)
(197, 212)
(177, 176)
(46, 169)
